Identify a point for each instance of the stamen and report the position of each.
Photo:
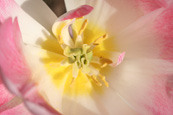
(104, 80)
(60, 40)
(104, 65)
(72, 81)
(83, 27)
(101, 39)
(96, 81)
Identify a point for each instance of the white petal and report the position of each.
(32, 32)
(134, 81)
(79, 105)
(35, 56)
(113, 15)
(55, 96)
(38, 10)
(61, 29)
(110, 103)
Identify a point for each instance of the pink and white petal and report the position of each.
(14, 69)
(32, 32)
(135, 82)
(46, 88)
(39, 11)
(10, 104)
(15, 72)
(162, 95)
(18, 110)
(139, 40)
(114, 15)
(37, 105)
(150, 36)
(150, 5)
(15, 101)
(136, 79)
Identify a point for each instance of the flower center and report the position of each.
(80, 54)
(84, 50)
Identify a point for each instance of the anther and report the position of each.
(104, 80)
(83, 27)
(104, 65)
(96, 81)
(100, 39)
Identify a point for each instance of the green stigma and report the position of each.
(79, 56)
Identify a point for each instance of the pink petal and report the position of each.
(5, 11)
(164, 27)
(150, 5)
(18, 110)
(162, 95)
(15, 101)
(139, 40)
(14, 69)
(7, 101)
(77, 13)
(5, 96)
(119, 59)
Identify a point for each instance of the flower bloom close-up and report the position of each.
(102, 57)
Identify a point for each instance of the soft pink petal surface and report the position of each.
(164, 28)
(12, 63)
(150, 5)
(36, 104)
(77, 13)
(5, 96)
(15, 72)
(18, 110)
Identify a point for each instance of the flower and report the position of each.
(65, 66)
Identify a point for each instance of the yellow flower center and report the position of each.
(84, 50)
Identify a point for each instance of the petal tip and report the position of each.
(77, 13)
